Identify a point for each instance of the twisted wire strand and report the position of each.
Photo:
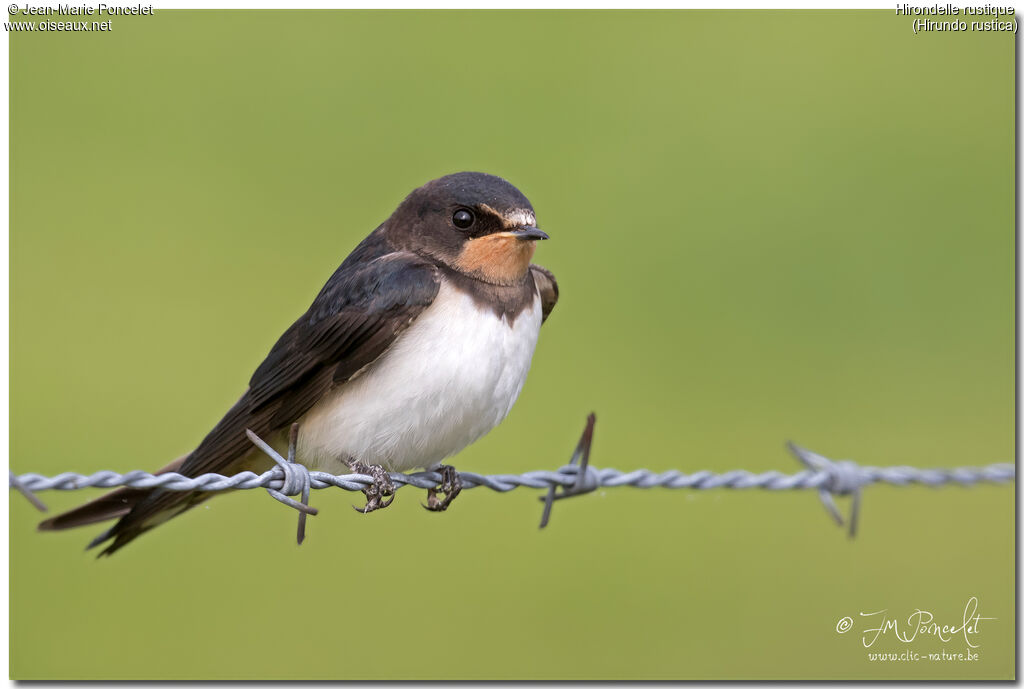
(830, 478)
(502, 483)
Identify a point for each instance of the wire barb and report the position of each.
(844, 479)
(29, 495)
(295, 478)
(586, 480)
(293, 441)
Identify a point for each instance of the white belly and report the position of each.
(444, 383)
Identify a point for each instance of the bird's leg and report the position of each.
(377, 492)
(451, 484)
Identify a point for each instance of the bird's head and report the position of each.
(477, 224)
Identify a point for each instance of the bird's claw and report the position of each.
(377, 493)
(451, 485)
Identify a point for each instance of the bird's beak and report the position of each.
(525, 233)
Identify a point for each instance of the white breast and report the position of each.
(444, 383)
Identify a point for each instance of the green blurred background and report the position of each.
(765, 225)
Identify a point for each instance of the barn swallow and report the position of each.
(416, 347)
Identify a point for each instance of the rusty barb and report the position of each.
(288, 478)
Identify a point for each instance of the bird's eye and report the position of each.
(463, 218)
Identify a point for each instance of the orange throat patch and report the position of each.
(500, 258)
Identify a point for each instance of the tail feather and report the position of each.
(114, 504)
(128, 528)
(224, 449)
(105, 536)
(110, 506)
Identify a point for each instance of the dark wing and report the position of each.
(547, 287)
(352, 322)
(354, 319)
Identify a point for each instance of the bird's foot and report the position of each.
(451, 485)
(377, 492)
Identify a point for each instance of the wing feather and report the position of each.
(548, 288)
(354, 319)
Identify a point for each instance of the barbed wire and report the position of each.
(829, 477)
